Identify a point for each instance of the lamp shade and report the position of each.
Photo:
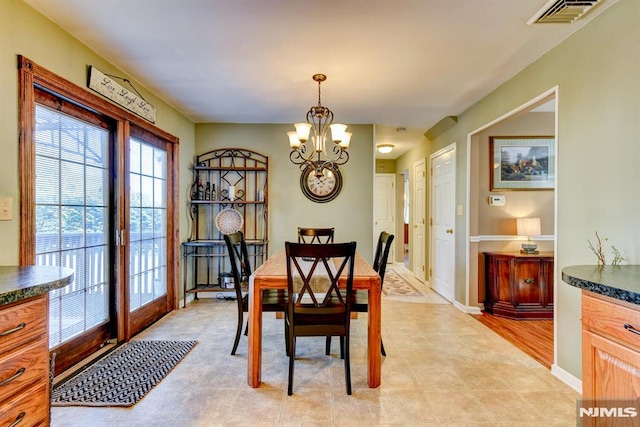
(337, 131)
(528, 227)
(346, 139)
(303, 130)
(294, 142)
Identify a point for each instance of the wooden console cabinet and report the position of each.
(519, 286)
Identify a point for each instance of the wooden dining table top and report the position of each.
(273, 273)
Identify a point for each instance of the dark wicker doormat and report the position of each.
(122, 377)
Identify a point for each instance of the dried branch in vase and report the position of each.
(598, 250)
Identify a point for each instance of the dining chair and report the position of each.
(315, 235)
(316, 304)
(361, 299)
(273, 300)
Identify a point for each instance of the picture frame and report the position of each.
(522, 162)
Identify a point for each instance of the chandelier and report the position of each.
(309, 141)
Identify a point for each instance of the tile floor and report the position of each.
(443, 368)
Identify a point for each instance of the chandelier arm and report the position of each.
(297, 156)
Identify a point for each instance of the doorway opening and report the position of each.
(492, 228)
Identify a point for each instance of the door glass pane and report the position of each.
(148, 223)
(72, 219)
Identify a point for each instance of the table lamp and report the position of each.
(528, 227)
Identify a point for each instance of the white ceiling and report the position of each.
(393, 63)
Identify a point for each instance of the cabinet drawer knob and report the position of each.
(12, 377)
(630, 328)
(18, 419)
(10, 331)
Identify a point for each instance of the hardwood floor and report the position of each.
(534, 337)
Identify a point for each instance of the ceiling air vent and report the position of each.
(563, 11)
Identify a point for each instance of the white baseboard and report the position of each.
(567, 378)
(467, 309)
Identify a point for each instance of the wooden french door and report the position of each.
(73, 222)
(147, 231)
(97, 189)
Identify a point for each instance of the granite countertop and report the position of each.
(18, 283)
(621, 282)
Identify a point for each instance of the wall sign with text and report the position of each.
(107, 87)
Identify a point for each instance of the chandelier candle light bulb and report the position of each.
(315, 131)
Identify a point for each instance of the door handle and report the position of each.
(449, 231)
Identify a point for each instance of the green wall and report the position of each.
(351, 213)
(26, 32)
(596, 71)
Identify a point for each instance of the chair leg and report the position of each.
(238, 332)
(327, 350)
(347, 365)
(287, 346)
(292, 356)
(341, 347)
(384, 353)
(246, 329)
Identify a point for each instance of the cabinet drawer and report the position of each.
(23, 367)
(22, 323)
(608, 318)
(29, 407)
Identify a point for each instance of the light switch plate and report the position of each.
(6, 208)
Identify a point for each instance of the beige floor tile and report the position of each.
(308, 405)
(443, 368)
(406, 406)
(455, 406)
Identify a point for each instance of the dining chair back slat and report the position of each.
(315, 235)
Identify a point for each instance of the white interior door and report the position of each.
(418, 247)
(385, 207)
(443, 174)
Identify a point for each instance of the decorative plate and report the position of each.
(229, 221)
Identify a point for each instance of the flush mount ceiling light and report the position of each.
(315, 131)
(385, 148)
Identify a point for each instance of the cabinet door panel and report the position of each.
(610, 370)
(503, 280)
(527, 282)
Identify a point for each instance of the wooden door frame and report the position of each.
(30, 76)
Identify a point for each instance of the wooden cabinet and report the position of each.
(610, 349)
(229, 193)
(24, 363)
(519, 286)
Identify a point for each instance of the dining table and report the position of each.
(273, 275)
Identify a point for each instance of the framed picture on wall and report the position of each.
(522, 162)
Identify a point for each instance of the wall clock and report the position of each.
(321, 189)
